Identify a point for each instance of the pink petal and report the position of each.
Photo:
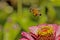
(27, 35)
(34, 30)
(23, 39)
(58, 37)
(58, 33)
(54, 26)
(42, 25)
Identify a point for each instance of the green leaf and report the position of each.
(11, 28)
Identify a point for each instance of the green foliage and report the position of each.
(11, 28)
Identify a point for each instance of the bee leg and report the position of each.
(40, 14)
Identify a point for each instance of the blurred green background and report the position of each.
(16, 16)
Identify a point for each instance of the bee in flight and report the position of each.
(35, 11)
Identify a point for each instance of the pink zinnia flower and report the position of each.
(42, 32)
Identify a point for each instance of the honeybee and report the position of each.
(35, 11)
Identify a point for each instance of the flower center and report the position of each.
(45, 30)
(46, 33)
